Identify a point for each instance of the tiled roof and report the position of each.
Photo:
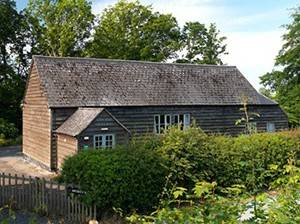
(79, 121)
(83, 82)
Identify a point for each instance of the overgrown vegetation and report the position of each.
(123, 178)
(8, 134)
(234, 206)
(199, 178)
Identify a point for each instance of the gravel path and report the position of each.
(12, 161)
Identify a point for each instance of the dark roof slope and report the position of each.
(79, 121)
(101, 82)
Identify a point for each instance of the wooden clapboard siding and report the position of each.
(103, 120)
(36, 121)
(58, 117)
(212, 119)
(216, 119)
(66, 146)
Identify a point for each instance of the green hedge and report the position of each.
(132, 177)
(129, 178)
(250, 160)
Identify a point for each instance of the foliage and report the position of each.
(8, 142)
(186, 155)
(7, 214)
(13, 62)
(203, 44)
(60, 28)
(284, 80)
(7, 130)
(194, 156)
(130, 178)
(247, 118)
(130, 30)
(285, 206)
(204, 206)
(266, 92)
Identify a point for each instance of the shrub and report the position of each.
(186, 155)
(7, 130)
(247, 159)
(129, 178)
(250, 158)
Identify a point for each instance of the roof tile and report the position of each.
(78, 82)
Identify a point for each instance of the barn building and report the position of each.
(72, 104)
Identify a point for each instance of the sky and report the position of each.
(253, 27)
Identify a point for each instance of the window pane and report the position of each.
(176, 119)
(181, 121)
(167, 120)
(186, 121)
(162, 122)
(106, 141)
(270, 127)
(156, 124)
(97, 141)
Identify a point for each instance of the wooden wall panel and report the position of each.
(212, 119)
(104, 120)
(36, 121)
(216, 119)
(66, 146)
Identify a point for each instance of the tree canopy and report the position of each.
(130, 30)
(60, 27)
(13, 63)
(203, 45)
(284, 80)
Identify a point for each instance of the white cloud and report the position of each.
(190, 10)
(253, 52)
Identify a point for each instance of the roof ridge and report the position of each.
(134, 61)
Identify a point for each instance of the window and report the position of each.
(270, 127)
(104, 141)
(157, 124)
(168, 120)
(186, 121)
(162, 122)
(178, 119)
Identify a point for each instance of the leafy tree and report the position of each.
(284, 80)
(59, 27)
(13, 62)
(266, 92)
(129, 30)
(202, 45)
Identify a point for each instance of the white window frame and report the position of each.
(157, 125)
(103, 141)
(271, 127)
(170, 120)
(186, 121)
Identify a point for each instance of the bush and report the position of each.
(247, 159)
(186, 155)
(129, 178)
(7, 130)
